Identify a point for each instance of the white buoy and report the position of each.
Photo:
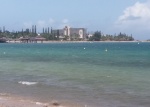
(138, 43)
(4, 52)
(84, 48)
(106, 50)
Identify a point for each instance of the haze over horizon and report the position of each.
(108, 16)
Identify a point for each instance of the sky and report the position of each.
(107, 16)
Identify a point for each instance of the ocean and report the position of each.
(96, 74)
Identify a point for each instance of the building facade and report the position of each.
(71, 33)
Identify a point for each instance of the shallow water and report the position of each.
(80, 72)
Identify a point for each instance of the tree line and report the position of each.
(51, 34)
(98, 36)
(47, 33)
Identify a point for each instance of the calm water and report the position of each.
(94, 74)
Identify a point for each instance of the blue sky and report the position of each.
(108, 16)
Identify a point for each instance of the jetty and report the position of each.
(32, 39)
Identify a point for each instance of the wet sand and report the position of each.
(9, 101)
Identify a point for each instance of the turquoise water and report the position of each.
(93, 74)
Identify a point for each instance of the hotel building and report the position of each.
(72, 33)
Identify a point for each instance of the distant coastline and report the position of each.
(17, 41)
(67, 33)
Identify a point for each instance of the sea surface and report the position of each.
(96, 74)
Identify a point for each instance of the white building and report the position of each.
(72, 33)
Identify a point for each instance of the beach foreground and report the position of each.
(8, 101)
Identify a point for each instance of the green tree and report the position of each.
(66, 37)
(96, 37)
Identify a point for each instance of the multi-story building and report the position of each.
(70, 33)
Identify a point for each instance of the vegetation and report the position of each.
(148, 40)
(96, 37)
(51, 34)
(120, 37)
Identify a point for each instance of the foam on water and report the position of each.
(27, 83)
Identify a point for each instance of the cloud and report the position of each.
(139, 14)
(135, 19)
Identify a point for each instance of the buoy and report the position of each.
(106, 50)
(84, 48)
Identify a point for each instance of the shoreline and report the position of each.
(7, 100)
(81, 42)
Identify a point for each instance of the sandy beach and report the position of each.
(15, 101)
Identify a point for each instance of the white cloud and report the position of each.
(135, 19)
(139, 11)
(136, 15)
